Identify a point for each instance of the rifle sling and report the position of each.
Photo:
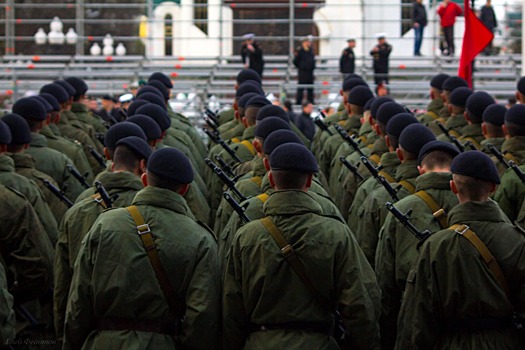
(436, 210)
(387, 176)
(407, 186)
(257, 180)
(263, 197)
(98, 198)
(375, 158)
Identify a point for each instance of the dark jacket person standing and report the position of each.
(347, 60)
(304, 61)
(488, 17)
(381, 53)
(252, 54)
(419, 19)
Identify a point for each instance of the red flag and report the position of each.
(475, 39)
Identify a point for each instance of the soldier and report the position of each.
(520, 90)
(397, 247)
(79, 107)
(468, 279)
(456, 109)
(347, 59)
(149, 126)
(252, 54)
(121, 184)
(474, 108)
(304, 61)
(436, 103)
(381, 53)
(304, 120)
(7, 316)
(449, 85)
(514, 128)
(179, 309)
(493, 120)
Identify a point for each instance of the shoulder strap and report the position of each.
(437, 211)
(98, 198)
(454, 133)
(387, 176)
(433, 115)
(509, 156)
(263, 197)
(236, 140)
(474, 142)
(375, 158)
(291, 258)
(153, 255)
(249, 146)
(407, 186)
(257, 180)
(489, 259)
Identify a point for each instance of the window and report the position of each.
(200, 15)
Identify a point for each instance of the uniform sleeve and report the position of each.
(7, 316)
(45, 215)
(509, 194)
(342, 60)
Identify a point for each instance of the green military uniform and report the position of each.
(331, 259)
(76, 224)
(450, 288)
(432, 113)
(510, 195)
(25, 166)
(8, 177)
(180, 122)
(514, 149)
(225, 116)
(187, 252)
(472, 133)
(84, 125)
(494, 141)
(455, 125)
(7, 316)
(86, 117)
(235, 130)
(397, 247)
(337, 117)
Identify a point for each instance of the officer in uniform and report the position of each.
(469, 278)
(381, 53)
(171, 298)
(304, 61)
(347, 59)
(252, 54)
(493, 120)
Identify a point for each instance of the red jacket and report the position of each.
(448, 14)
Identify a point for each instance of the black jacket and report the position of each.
(255, 58)
(419, 14)
(347, 61)
(488, 17)
(304, 60)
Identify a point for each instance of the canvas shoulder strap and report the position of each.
(407, 186)
(263, 197)
(249, 146)
(375, 158)
(387, 176)
(437, 211)
(257, 180)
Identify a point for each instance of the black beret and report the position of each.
(67, 86)
(452, 83)
(414, 137)
(349, 84)
(368, 104)
(248, 86)
(387, 111)
(132, 108)
(438, 80)
(163, 78)
(257, 101)
(248, 74)
(279, 137)
(433, 146)
(151, 89)
(137, 145)
(478, 102)
(270, 124)
(459, 96)
(521, 85)
(495, 114)
(148, 125)
(245, 98)
(51, 100)
(5, 134)
(155, 99)
(272, 111)
(157, 113)
(293, 157)
(475, 164)
(159, 86)
(351, 76)
(171, 164)
(121, 130)
(78, 84)
(516, 115)
(46, 104)
(360, 95)
(57, 91)
(399, 122)
(20, 131)
(30, 108)
(378, 101)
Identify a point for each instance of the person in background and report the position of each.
(381, 53)
(448, 11)
(252, 54)
(287, 105)
(347, 60)
(304, 61)
(419, 17)
(305, 122)
(488, 17)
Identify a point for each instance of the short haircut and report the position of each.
(157, 181)
(125, 159)
(474, 118)
(437, 159)
(289, 180)
(288, 104)
(359, 110)
(515, 130)
(394, 141)
(12, 148)
(494, 130)
(34, 125)
(251, 114)
(472, 189)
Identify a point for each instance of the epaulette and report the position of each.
(19, 194)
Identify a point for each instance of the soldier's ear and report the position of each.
(112, 167)
(421, 169)
(142, 166)
(484, 130)
(266, 163)
(309, 181)
(144, 179)
(453, 187)
(399, 153)
(465, 114)
(183, 189)
(270, 177)
(505, 130)
(387, 141)
(258, 146)
(107, 153)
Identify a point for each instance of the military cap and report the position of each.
(245, 98)
(478, 102)
(137, 145)
(121, 130)
(248, 74)
(248, 86)
(19, 129)
(5, 134)
(157, 113)
(67, 86)
(78, 84)
(349, 84)
(433, 146)
(438, 80)
(270, 124)
(272, 111)
(377, 103)
(475, 164)
(414, 137)
(495, 114)
(46, 104)
(51, 100)
(459, 96)
(126, 98)
(368, 104)
(159, 86)
(57, 91)
(452, 83)
(399, 122)
(352, 76)
(248, 36)
(521, 85)
(279, 137)
(148, 125)
(163, 78)
(387, 111)
(155, 99)
(171, 164)
(257, 101)
(30, 108)
(293, 157)
(149, 88)
(515, 115)
(132, 108)
(360, 95)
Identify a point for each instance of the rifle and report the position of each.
(351, 167)
(97, 156)
(507, 164)
(212, 115)
(470, 144)
(225, 179)
(517, 170)
(215, 137)
(348, 139)
(321, 125)
(239, 209)
(381, 179)
(452, 138)
(58, 193)
(404, 219)
(77, 175)
(104, 196)
(225, 166)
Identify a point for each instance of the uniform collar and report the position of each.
(78, 107)
(476, 211)
(389, 160)
(22, 160)
(435, 106)
(6, 164)
(249, 133)
(38, 140)
(379, 146)
(513, 144)
(162, 198)
(352, 123)
(407, 170)
(258, 166)
(48, 133)
(495, 141)
(471, 130)
(120, 180)
(291, 202)
(431, 181)
(456, 121)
